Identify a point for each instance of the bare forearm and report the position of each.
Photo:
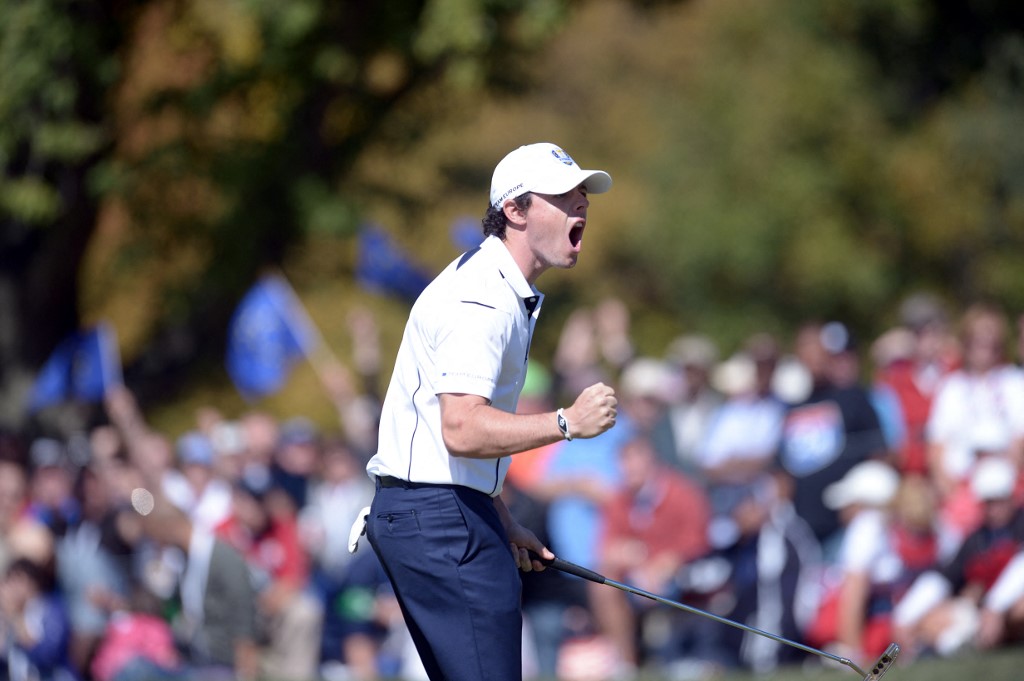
(473, 428)
(483, 431)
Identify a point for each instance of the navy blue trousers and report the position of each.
(448, 558)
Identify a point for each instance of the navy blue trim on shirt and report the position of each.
(497, 472)
(466, 256)
(419, 384)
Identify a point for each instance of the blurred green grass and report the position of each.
(1002, 665)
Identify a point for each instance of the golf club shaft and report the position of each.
(590, 575)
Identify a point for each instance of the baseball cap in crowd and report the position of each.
(837, 338)
(544, 168)
(647, 377)
(921, 310)
(227, 437)
(298, 431)
(195, 448)
(47, 452)
(872, 483)
(994, 477)
(692, 350)
(735, 376)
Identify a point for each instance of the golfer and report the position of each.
(448, 426)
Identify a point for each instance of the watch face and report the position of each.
(562, 424)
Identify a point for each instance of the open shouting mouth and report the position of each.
(576, 234)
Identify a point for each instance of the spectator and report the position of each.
(645, 392)
(228, 440)
(93, 561)
(358, 402)
(335, 497)
(582, 476)
(361, 618)
(343, 580)
(195, 487)
(296, 458)
(612, 326)
(51, 485)
(978, 407)
(693, 356)
(914, 372)
(831, 431)
(892, 348)
(577, 361)
(654, 525)
(13, 502)
(855, 617)
(744, 433)
(31, 539)
(917, 533)
(217, 623)
(34, 625)
(154, 455)
(766, 560)
(264, 528)
(951, 607)
(260, 435)
(138, 644)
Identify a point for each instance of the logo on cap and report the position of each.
(562, 156)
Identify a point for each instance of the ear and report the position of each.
(513, 214)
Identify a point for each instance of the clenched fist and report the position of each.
(593, 412)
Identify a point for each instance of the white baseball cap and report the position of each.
(872, 483)
(545, 168)
(994, 477)
(646, 377)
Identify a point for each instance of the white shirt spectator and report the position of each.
(743, 428)
(974, 412)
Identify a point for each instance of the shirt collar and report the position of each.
(496, 248)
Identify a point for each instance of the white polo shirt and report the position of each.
(469, 332)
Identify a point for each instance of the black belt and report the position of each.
(389, 481)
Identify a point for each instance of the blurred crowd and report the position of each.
(838, 491)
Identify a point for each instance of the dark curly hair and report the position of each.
(495, 223)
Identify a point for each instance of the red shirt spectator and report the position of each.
(653, 525)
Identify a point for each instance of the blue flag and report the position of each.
(383, 267)
(466, 233)
(83, 367)
(269, 332)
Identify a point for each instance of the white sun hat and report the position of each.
(994, 477)
(871, 483)
(544, 168)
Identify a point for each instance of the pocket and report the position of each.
(399, 523)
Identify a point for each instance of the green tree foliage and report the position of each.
(214, 135)
(805, 174)
(774, 159)
(58, 58)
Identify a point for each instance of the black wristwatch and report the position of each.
(563, 425)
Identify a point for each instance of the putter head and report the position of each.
(882, 664)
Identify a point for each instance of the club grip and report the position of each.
(570, 568)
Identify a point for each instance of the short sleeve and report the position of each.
(469, 346)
